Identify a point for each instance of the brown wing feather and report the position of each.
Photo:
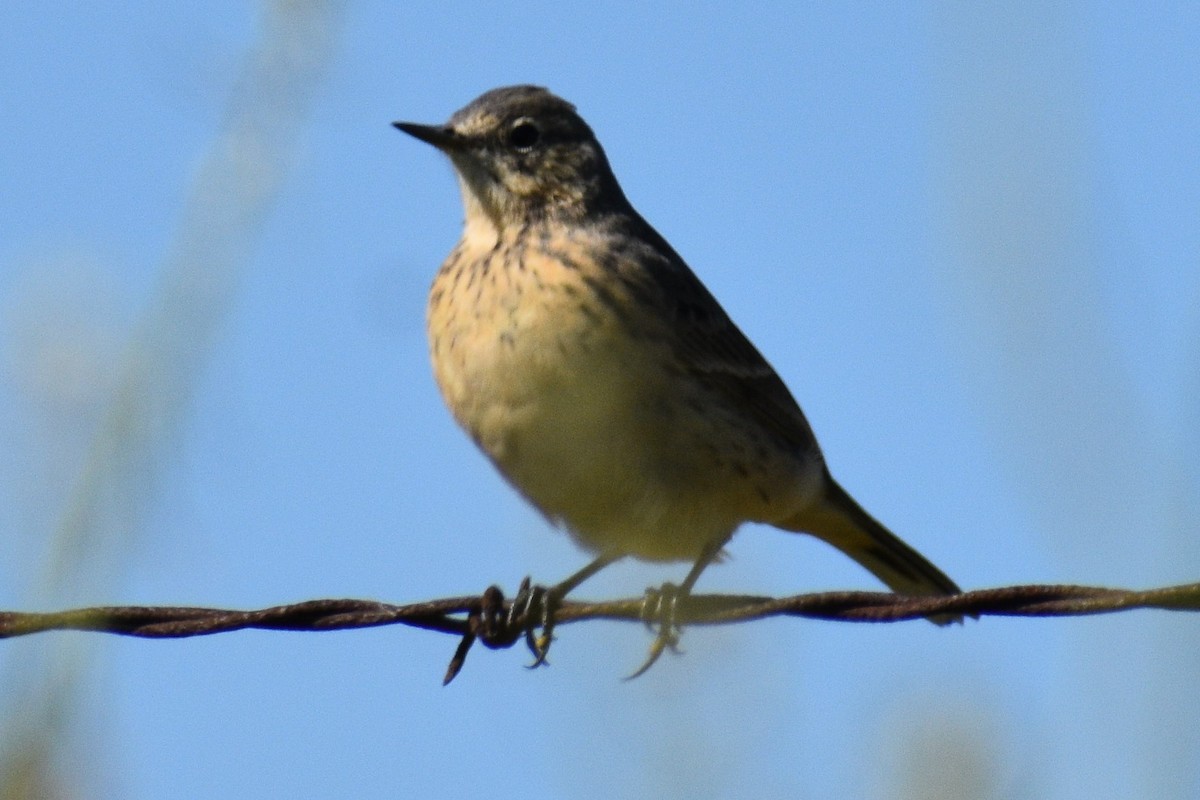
(708, 343)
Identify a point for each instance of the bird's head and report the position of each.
(523, 154)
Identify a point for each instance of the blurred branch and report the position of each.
(500, 622)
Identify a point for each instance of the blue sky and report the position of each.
(964, 235)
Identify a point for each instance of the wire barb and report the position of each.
(499, 623)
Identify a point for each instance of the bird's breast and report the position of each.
(556, 389)
(519, 344)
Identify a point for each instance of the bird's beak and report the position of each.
(440, 136)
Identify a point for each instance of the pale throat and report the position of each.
(481, 225)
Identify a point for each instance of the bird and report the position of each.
(602, 378)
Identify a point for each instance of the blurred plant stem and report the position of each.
(235, 186)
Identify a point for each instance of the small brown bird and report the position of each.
(602, 378)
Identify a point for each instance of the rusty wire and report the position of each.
(500, 622)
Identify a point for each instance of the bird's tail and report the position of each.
(839, 520)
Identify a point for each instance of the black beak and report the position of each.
(440, 136)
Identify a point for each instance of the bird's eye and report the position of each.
(524, 135)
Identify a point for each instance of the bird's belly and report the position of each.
(581, 420)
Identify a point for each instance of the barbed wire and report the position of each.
(499, 622)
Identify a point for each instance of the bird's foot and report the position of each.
(658, 611)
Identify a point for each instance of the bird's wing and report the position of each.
(709, 345)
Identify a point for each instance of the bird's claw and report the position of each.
(542, 603)
(659, 610)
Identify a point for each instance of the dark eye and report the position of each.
(524, 135)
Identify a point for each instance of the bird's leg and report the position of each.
(660, 605)
(552, 598)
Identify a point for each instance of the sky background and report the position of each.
(965, 235)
